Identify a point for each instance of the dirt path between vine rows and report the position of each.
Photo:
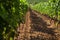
(38, 27)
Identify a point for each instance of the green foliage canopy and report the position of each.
(51, 8)
(11, 15)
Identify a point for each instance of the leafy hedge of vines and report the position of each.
(11, 15)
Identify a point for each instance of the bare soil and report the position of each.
(38, 27)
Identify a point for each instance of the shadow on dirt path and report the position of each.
(40, 25)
